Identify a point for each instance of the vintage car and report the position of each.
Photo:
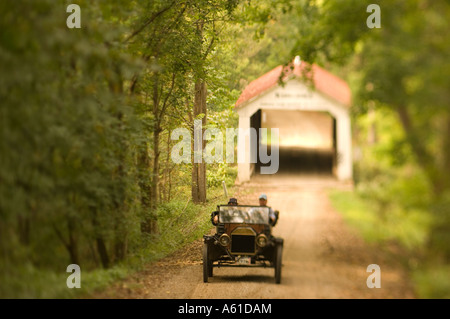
(243, 239)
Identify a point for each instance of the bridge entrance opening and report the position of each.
(307, 140)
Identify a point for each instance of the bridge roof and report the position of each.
(324, 81)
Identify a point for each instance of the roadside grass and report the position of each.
(27, 282)
(409, 227)
(432, 281)
(180, 222)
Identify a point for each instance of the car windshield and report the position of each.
(244, 214)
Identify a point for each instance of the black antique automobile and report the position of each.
(243, 239)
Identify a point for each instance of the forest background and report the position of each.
(86, 117)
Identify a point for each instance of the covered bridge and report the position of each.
(313, 120)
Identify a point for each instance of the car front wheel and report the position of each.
(278, 263)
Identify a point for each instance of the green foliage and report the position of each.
(221, 172)
(68, 134)
(399, 76)
(86, 116)
(394, 201)
(441, 225)
(181, 222)
(409, 227)
(27, 281)
(433, 281)
(65, 132)
(404, 224)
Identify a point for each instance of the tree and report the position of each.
(67, 135)
(176, 42)
(401, 67)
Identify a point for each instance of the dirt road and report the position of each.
(322, 258)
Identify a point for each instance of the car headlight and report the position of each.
(261, 240)
(224, 240)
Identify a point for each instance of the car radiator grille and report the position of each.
(242, 244)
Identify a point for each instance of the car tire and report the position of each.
(278, 262)
(207, 264)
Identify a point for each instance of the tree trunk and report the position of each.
(446, 154)
(101, 246)
(120, 237)
(73, 244)
(199, 169)
(154, 191)
(23, 223)
(120, 228)
(425, 160)
(150, 190)
(165, 189)
(155, 172)
(144, 185)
